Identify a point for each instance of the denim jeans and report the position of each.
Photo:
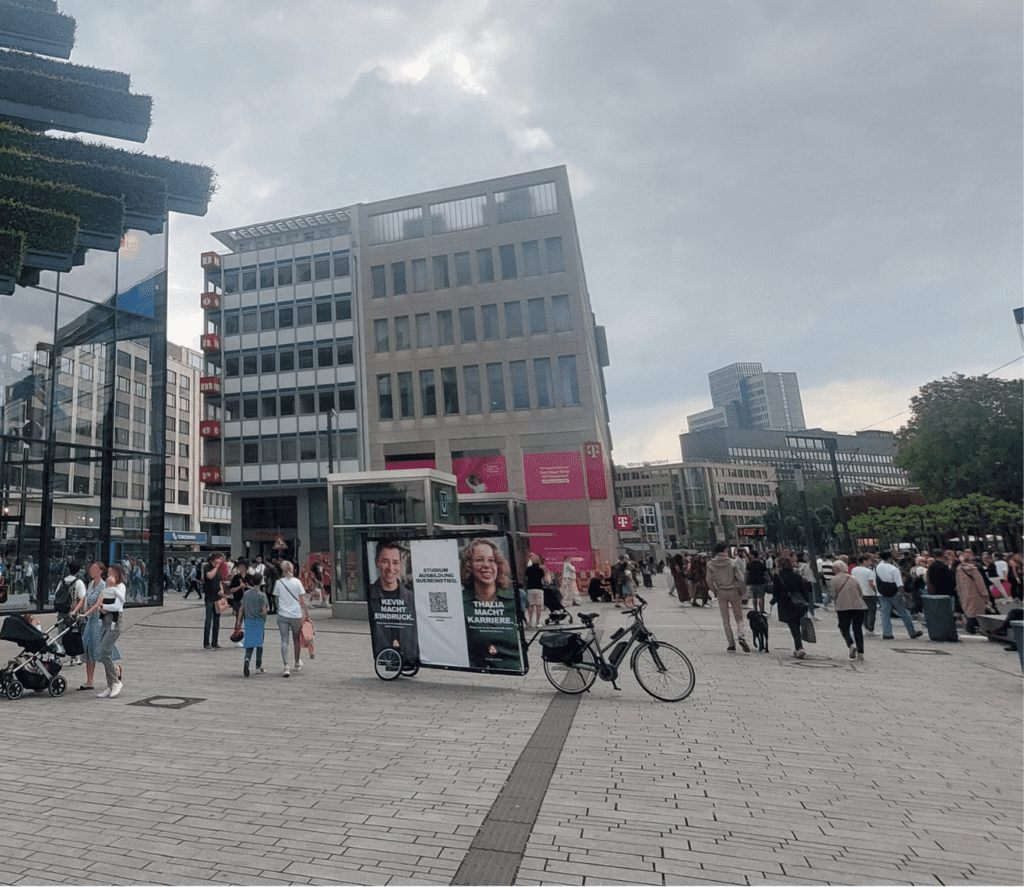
(892, 605)
(869, 615)
(212, 625)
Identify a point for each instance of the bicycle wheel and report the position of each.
(388, 665)
(573, 678)
(663, 671)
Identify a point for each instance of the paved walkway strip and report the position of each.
(497, 850)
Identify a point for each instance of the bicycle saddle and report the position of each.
(587, 618)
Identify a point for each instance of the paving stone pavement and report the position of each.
(903, 769)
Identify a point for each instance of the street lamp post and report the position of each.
(812, 553)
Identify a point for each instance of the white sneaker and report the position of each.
(116, 689)
(103, 694)
(287, 673)
(298, 665)
(853, 651)
(261, 670)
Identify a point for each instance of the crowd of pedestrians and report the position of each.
(252, 592)
(861, 590)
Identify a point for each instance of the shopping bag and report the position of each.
(807, 630)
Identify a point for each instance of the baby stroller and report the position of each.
(38, 665)
(553, 601)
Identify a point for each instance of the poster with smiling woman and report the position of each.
(493, 640)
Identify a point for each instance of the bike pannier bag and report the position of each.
(561, 646)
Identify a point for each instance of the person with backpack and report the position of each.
(889, 585)
(70, 592)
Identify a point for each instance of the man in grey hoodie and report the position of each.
(726, 580)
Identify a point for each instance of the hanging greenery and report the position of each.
(12, 253)
(143, 195)
(40, 65)
(74, 97)
(39, 25)
(46, 230)
(189, 185)
(103, 214)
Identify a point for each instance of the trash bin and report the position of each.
(1018, 638)
(938, 617)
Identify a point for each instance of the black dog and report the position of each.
(759, 630)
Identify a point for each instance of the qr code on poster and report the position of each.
(438, 602)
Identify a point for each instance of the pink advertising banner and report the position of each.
(416, 463)
(553, 543)
(485, 474)
(593, 461)
(551, 476)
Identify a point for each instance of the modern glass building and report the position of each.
(83, 300)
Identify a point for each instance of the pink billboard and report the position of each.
(593, 459)
(553, 543)
(484, 474)
(551, 476)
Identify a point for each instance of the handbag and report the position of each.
(221, 605)
(807, 630)
(306, 636)
(237, 635)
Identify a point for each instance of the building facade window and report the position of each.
(398, 278)
(424, 331)
(489, 322)
(569, 382)
(385, 408)
(428, 393)
(471, 386)
(520, 385)
(441, 281)
(560, 310)
(543, 382)
(403, 339)
(462, 270)
(445, 328)
(553, 249)
(450, 391)
(513, 320)
(484, 266)
(537, 315)
(467, 325)
(495, 387)
(531, 258)
(381, 336)
(507, 255)
(406, 407)
(419, 276)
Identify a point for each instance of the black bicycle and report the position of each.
(574, 660)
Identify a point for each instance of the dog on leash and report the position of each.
(759, 629)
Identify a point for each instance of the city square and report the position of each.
(901, 769)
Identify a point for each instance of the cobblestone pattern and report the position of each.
(905, 769)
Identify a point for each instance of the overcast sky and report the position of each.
(829, 188)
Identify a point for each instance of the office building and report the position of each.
(863, 460)
(744, 396)
(691, 505)
(449, 330)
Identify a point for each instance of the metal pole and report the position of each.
(830, 445)
(812, 552)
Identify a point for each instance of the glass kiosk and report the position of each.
(407, 502)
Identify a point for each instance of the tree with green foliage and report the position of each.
(974, 520)
(965, 435)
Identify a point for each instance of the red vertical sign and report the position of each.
(593, 462)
